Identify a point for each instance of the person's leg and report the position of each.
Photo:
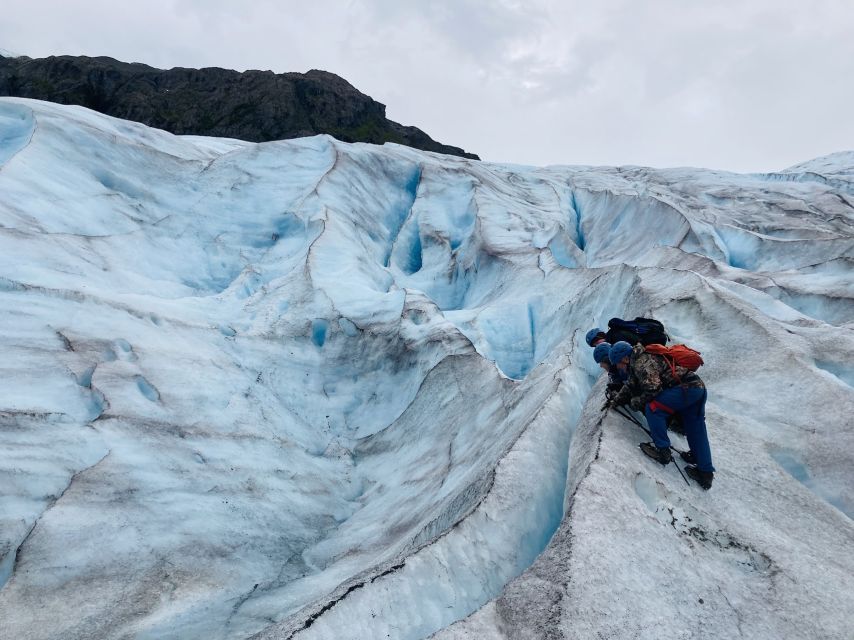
(690, 433)
(694, 420)
(656, 417)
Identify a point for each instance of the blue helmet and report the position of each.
(601, 352)
(619, 351)
(591, 335)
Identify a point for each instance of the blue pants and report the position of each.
(691, 405)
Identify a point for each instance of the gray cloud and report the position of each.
(742, 86)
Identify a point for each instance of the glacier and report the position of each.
(308, 389)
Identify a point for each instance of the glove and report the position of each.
(637, 404)
(619, 396)
(614, 403)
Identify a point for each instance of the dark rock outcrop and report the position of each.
(258, 106)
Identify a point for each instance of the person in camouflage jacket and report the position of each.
(660, 389)
(649, 375)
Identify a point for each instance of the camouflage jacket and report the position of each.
(650, 374)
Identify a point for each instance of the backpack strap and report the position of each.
(672, 362)
(664, 352)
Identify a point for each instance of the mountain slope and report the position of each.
(257, 106)
(313, 389)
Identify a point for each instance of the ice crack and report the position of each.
(10, 562)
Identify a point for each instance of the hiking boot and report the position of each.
(659, 455)
(702, 478)
(688, 456)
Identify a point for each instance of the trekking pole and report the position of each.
(629, 416)
(673, 460)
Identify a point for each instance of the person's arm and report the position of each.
(622, 396)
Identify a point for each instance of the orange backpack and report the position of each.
(677, 355)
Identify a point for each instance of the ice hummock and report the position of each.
(312, 389)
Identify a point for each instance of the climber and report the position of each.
(615, 377)
(660, 388)
(594, 337)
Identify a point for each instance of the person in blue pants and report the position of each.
(660, 389)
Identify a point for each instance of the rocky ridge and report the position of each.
(256, 106)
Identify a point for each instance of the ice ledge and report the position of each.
(641, 555)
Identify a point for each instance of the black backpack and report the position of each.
(643, 330)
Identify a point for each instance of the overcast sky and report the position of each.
(748, 85)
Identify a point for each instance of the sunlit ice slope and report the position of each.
(317, 390)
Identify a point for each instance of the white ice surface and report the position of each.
(318, 390)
